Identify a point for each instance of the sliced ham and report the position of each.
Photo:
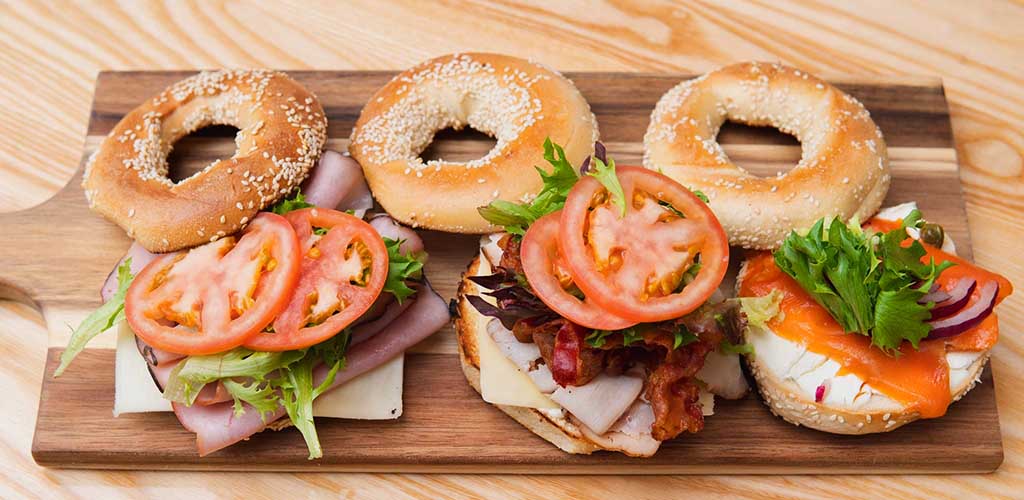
(600, 402)
(723, 375)
(140, 258)
(388, 228)
(210, 394)
(337, 182)
(388, 310)
(154, 356)
(216, 427)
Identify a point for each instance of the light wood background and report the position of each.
(50, 53)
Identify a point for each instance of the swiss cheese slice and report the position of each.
(501, 381)
(375, 395)
(134, 389)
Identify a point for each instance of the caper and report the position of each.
(932, 234)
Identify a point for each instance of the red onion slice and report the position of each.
(934, 296)
(969, 317)
(958, 298)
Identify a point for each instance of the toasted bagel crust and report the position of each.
(843, 171)
(282, 130)
(788, 400)
(518, 102)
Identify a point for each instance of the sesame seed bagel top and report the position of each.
(519, 103)
(282, 130)
(843, 169)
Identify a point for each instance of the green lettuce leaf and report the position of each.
(101, 320)
(730, 348)
(870, 284)
(515, 218)
(760, 310)
(194, 372)
(401, 269)
(286, 205)
(605, 174)
(683, 336)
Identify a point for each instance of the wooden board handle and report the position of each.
(50, 253)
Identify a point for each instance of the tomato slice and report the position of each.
(633, 265)
(549, 279)
(213, 297)
(343, 272)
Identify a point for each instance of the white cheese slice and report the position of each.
(374, 395)
(501, 382)
(134, 389)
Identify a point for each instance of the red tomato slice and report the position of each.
(632, 265)
(213, 297)
(343, 272)
(550, 281)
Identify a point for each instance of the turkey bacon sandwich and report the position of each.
(595, 319)
(863, 329)
(305, 312)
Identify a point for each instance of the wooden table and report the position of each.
(49, 56)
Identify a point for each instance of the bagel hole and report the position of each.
(458, 145)
(737, 138)
(202, 147)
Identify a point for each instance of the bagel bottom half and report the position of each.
(793, 402)
(556, 429)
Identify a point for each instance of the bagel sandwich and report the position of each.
(928, 336)
(581, 375)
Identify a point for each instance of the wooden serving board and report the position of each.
(57, 254)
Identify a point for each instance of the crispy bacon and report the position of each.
(674, 395)
(510, 256)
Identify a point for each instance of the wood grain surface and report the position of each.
(50, 53)
(75, 427)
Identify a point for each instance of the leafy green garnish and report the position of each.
(870, 284)
(730, 348)
(516, 217)
(700, 194)
(605, 174)
(272, 380)
(401, 268)
(630, 336)
(760, 310)
(101, 320)
(286, 205)
(683, 336)
(194, 372)
(597, 338)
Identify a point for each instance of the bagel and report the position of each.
(519, 103)
(843, 170)
(788, 376)
(282, 130)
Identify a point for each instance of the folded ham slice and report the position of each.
(217, 427)
(154, 356)
(140, 258)
(337, 182)
(388, 228)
